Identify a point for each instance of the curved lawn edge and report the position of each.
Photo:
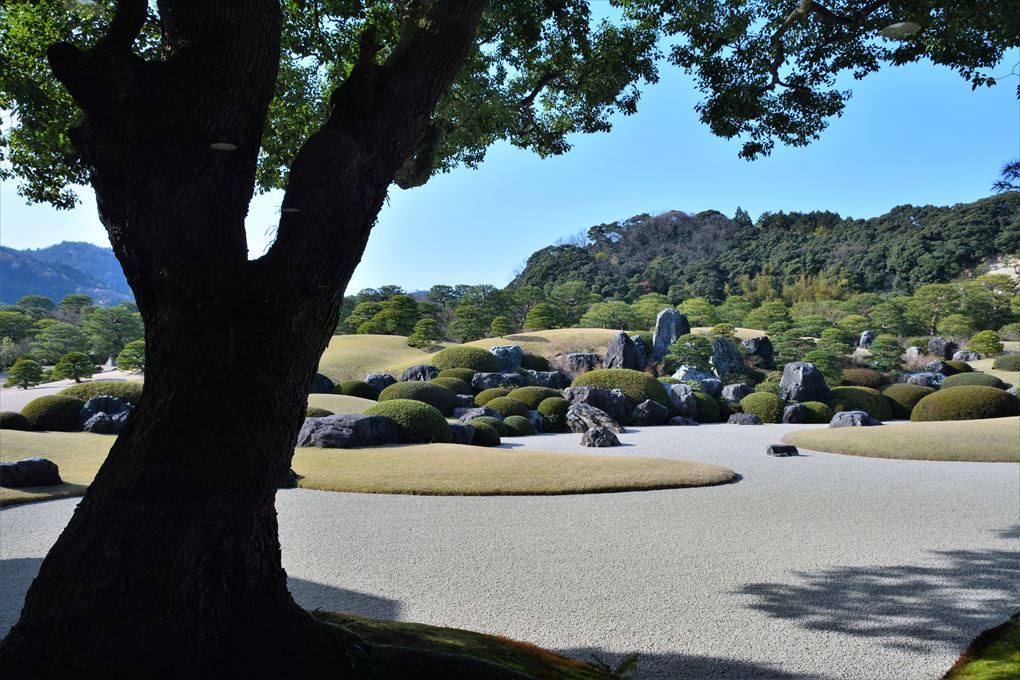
(995, 440)
(458, 470)
(993, 655)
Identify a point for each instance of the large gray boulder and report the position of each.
(712, 386)
(104, 415)
(650, 412)
(380, 381)
(801, 381)
(581, 362)
(669, 325)
(683, 421)
(622, 353)
(732, 394)
(322, 385)
(583, 417)
(942, 348)
(685, 373)
(509, 357)
(965, 355)
(105, 423)
(421, 373)
(924, 379)
(599, 437)
(347, 430)
(639, 345)
(537, 419)
(466, 414)
(29, 472)
(939, 366)
(726, 358)
(867, 337)
(463, 433)
(485, 381)
(464, 401)
(681, 398)
(797, 414)
(762, 348)
(613, 402)
(911, 354)
(556, 380)
(853, 419)
(744, 419)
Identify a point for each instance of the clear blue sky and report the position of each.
(915, 134)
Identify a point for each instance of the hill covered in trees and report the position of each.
(63, 269)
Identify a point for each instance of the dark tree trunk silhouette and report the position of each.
(171, 565)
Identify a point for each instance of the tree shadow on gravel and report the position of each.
(904, 606)
(688, 666)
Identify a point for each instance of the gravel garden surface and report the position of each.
(817, 566)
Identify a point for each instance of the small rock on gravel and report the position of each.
(744, 419)
(853, 419)
(599, 437)
(782, 450)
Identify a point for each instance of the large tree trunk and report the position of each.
(171, 565)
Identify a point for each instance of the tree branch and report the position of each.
(127, 23)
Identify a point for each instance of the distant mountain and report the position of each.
(62, 269)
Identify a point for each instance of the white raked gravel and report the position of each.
(821, 566)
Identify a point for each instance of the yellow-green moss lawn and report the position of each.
(994, 655)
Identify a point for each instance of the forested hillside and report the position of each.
(63, 269)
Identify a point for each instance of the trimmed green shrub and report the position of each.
(485, 434)
(508, 406)
(12, 420)
(636, 385)
(708, 408)
(669, 380)
(820, 413)
(975, 378)
(767, 406)
(862, 377)
(533, 396)
(455, 385)
(1010, 331)
(465, 374)
(904, 397)
(356, 388)
(485, 396)
(417, 421)
(519, 426)
(57, 412)
(985, 343)
(474, 358)
(315, 412)
(534, 362)
(128, 391)
(434, 395)
(970, 402)
(861, 399)
(554, 411)
(960, 366)
(1007, 362)
(495, 423)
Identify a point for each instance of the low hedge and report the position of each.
(464, 374)
(708, 408)
(508, 406)
(862, 377)
(554, 413)
(519, 426)
(767, 406)
(12, 420)
(455, 385)
(57, 412)
(1007, 362)
(417, 421)
(356, 388)
(969, 402)
(485, 434)
(975, 378)
(636, 385)
(130, 391)
(434, 395)
(485, 396)
(315, 412)
(861, 399)
(495, 423)
(820, 413)
(533, 396)
(534, 362)
(903, 397)
(475, 358)
(959, 366)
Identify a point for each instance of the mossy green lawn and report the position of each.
(340, 403)
(427, 469)
(995, 440)
(350, 357)
(994, 655)
(985, 365)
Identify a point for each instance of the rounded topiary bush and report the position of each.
(485, 396)
(904, 396)
(533, 396)
(861, 399)
(554, 413)
(636, 385)
(12, 420)
(417, 422)
(495, 423)
(959, 366)
(975, 378)
(969, 402)
(485, 434)
(475, 358)
(464, 374)
(314, 412)
(356, 388)
(767, 406)
(1007, 362)
(534, 362)
(862, 377)
(820, 413)
(519, 426)
(708, 408)
(57, 412)
(455, 385)
(434, 395)
(130, 391)
(508, 406)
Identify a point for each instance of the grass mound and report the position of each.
(507, 406)
(533, 396)
(519, 426)
(495, 423)
(977, 441)
(416, 420)
(975, 378)
(455, 385)
(708, 408)
(12, 420)
(1007, 362)
(820, 413)
(861, 399)
(339, 403)
(485, 396)
(554, 411)
(862, 377)
(351, 357)
(970, 402)
(315, 412)
(57, 412)
(122, 389)
(464, 374)
(436, 396)
(485, 435)
(356, 388)
(767, 406)
(636, 385)
(463, 356)
(903, 397)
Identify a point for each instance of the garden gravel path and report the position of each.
(820, 566)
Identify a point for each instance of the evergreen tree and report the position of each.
(500, 327)
(132, 357)
(74, 366)
(886, 354)
(985, 343)
(425, 335)
(24, 373)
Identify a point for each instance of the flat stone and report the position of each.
(853, 419)
(782, 450)
(583, 417)
(347, 430)
(485, 381)
(581, 362)
(556, 380)
(466, 414)
(744, 419)
(421, 373)
(29, 472)
(613, 402)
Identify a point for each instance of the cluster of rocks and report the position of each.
(105, 415)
